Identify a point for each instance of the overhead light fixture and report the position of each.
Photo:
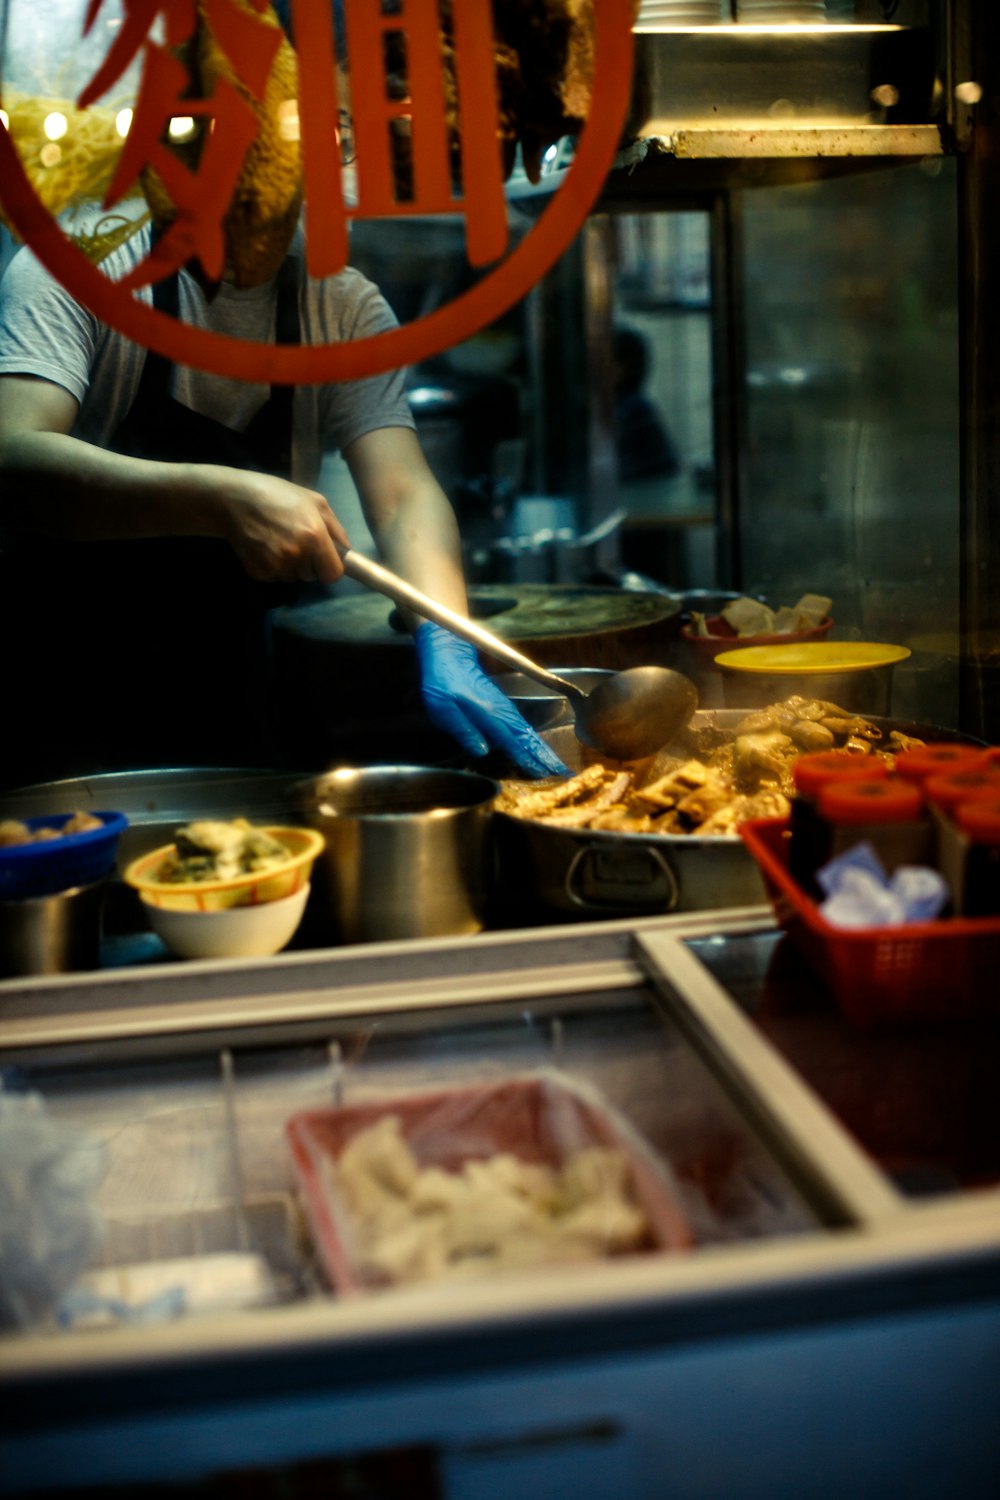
(55, 125)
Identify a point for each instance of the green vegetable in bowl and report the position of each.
(214, 850)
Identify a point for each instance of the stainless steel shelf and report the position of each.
(774, 142)
(730, 106)
(705, 158)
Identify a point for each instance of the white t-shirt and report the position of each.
(45, 332)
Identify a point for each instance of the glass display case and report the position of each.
(816, 1221)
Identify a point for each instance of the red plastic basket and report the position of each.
(942, 970)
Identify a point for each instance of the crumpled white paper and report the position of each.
(859, 893)
(50, 1228)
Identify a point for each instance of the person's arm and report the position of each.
(410, 517)
(417, 536)
(55, 485)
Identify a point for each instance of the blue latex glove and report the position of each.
(462, 701)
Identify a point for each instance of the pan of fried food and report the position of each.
(659, 835)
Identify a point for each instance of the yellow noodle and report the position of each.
(77, 168)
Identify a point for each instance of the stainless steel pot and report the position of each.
(55, 934)
(587, 873)
(408, 852)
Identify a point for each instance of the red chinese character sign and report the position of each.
(448, 117)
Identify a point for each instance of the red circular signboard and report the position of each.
(498, 290)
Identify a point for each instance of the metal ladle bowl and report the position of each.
(628, 716)
(633, 713)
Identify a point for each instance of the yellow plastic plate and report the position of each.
(813, 656)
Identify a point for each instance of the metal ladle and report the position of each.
(628, 716)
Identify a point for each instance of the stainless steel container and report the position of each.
(857, 692)
(584, 873)
(408, 852)
(587, 874)
(55, 934)
(855, 675)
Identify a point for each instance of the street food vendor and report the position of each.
(151, 514)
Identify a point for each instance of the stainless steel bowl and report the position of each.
(541, 706)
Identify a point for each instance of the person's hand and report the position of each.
(462, 700)
(281, 532)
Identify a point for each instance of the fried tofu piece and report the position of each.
(727, 818)
(701, 805)
(622, 819)
(534, 800)
(670, 789)
(581, 812)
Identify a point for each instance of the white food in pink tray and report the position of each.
(413, 1224)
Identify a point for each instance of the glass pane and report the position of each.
(68, 154)
(852, 464)
(922, 1101)
(662, 361)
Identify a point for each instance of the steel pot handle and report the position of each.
(655, 858)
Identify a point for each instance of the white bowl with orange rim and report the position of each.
(233, 931)
(251, 888)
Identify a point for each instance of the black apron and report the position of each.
(133, 654)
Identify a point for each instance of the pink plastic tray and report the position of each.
(539, 1120)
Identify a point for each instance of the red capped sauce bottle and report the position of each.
(944, 794)
(937, 759)
(976, 784)
(970, 857)
(810, 844)
(886, 812)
